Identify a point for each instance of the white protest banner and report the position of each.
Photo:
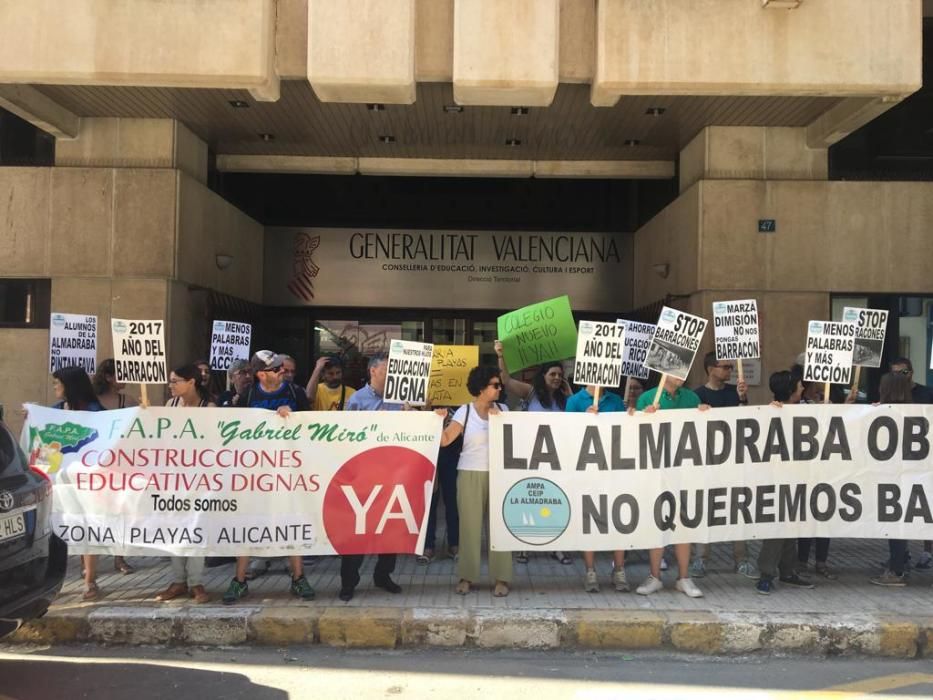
(236, 482)
(73, 342)
(598, 360)
(675, 342)
(611, 481)
(637, 340)
(408, 372)
(829, 352)
(870, 327)
(139, 351)
(735, 325)
(229, 341)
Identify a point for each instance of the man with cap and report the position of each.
(369, 398)
(272, 392)
(326, 390)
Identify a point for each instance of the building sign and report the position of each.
(445, 269)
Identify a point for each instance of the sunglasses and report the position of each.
(904, 371)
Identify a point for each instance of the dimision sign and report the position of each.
(445, 269)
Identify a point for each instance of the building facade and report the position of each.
(344, 171)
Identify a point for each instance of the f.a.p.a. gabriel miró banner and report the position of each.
(212, 481)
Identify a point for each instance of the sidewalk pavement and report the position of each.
(546, 608)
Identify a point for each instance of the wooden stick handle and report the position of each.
(625, 394)
(144, 396)
(657, 396)
(596, 394)
(738, 366)
(826, 393)
(856, 379)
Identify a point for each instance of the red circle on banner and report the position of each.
(399, 504)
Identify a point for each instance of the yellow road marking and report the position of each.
(883, 683)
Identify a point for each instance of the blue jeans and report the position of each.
(447, 476)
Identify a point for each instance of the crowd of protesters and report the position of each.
(267, 381)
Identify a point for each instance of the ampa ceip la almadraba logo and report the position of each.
(48, 445)
(304, 269)
(536, 511)
(669, 315)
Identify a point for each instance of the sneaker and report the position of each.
(590, 582)
(764, 586)
(649, 585)
(619, 582)
(235, 591)
(825, 572)
(925, 562)
(889, 578)
(796, 581)
(747, 569)
(697, 568)
(302, 589)
(688, 588)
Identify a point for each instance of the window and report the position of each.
(25, 303)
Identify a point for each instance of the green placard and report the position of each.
(538, 333)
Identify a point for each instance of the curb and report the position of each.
(723, 633)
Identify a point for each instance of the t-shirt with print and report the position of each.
(474, 457)
(286, 395)
(327, 399)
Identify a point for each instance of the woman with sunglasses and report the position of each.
(188, 391)
(472, 422)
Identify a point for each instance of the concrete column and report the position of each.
(506, 52)
(134, 143)
(751, 153)
(362, 50)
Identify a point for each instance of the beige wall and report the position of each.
(671, 47)
(209, 43)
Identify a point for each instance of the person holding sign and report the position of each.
(472, 421)
(548, 390)
(270, 391)
(674, 395)
(188, 391)
(370, 398)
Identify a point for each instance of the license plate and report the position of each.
(12, 526)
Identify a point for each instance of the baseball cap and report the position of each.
(265, 360)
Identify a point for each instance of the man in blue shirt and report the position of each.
(609, 402)
(369, 398)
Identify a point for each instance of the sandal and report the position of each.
(425, 558)
(522, 557)
(463, 587)
(121, 566)
(92, 592)
(561, 557)
(501, 590)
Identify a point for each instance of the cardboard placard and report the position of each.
(637, 341)
(408, 372)
(450, 366)
(735, 325)
(598, 361)
(139, 351)
(229, 341)
(538, 333)
(675, 343)
(830, 345)
(73, 342)
(870, 327)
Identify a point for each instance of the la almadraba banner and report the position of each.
(612, 481)
(236, 481)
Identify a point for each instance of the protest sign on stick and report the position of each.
(736, 335)
(408, 372)
(73, 342)
(598, 360)
(537, 333)
(830, 345)
(637, 340)
(674, 345)
(229, 342)
(139, 353)
(450, 367)
(870, 328)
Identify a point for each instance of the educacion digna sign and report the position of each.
(446, 269)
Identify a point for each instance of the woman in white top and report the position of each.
(187, 391)
(472, 422)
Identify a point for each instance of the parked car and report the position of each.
(32, 558)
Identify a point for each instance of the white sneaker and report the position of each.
(590, 582)
(649, 586)
(688, 588)
(618, 580)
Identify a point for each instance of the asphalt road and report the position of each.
(292, 674)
